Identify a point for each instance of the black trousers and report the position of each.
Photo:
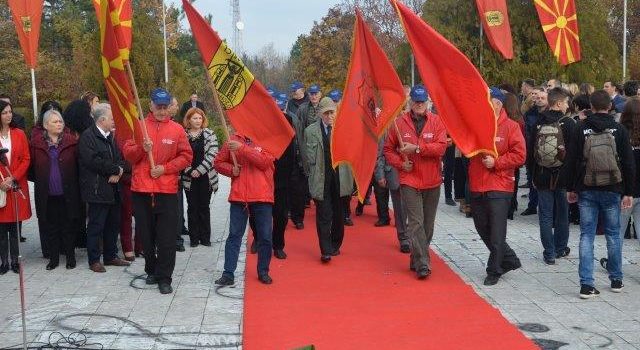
(346, 206)
(382, 201)
(104, 225)
(8, 242)
(330, 219)
(460, 177)
(198, 210)
(297, 193)
(156, 221)
(60, 229)
(448, 168)
(280, 210)
(514, 199)
(490, 218)
(360, 206)
(180, 224)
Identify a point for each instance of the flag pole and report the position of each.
(404, 156)
(481, 43)
(164, 34)
(624, 42)
(34, 95)
(220, 110)
(143, 126)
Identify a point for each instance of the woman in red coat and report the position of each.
(18, 158)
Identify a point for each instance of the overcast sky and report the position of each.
(277, 21)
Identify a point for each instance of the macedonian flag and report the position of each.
(121, 18)
(373, 96)
(250, 108)
(560, 25)
(121, 98)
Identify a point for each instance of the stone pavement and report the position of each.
(118, 311)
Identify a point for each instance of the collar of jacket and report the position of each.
(152, 118)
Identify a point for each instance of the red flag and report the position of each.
(495, 21)
(372, 84)
(125, 113)
(121, 18)
(26, 17)
(251, 110)
(455, 86)
(559, 22)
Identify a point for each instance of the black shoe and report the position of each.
(71, 264)
(180, 248)
(336, 252)
(348, 222)
(299, 226)
(193, 244)
(52, 265)
(550, 261)
(151, 279)
(404, 248)
(381, 223)
(206, 244)
(165, 288)
(265, 279)
(225, 281)
(616, 286)
(359, 210)
(450, 201)
(22, 239)
(491, 280)
(254, 247)
(279, 254)
(15, 267)
(510, 216)
(423, 273)
(325, 258)
(564, 252)
(529, 211)
(4, 268)
(587, 291)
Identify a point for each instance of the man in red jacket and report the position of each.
(154, 189)
(491, 183)
(418, 158)
(252, 193)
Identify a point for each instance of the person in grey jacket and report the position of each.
(387, 176)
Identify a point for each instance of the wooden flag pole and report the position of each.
(404, 156)
(143, 126)
(220, 110)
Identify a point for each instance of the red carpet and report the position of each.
(366, 298)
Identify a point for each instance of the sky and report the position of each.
(265, 21)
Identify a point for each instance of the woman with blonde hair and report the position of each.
(200, 179)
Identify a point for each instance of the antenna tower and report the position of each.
(238, 26)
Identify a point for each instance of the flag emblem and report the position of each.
(26, 23)
(367, 102)
(494, 18)
(230, 76)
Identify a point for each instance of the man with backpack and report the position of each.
(601, 160)
(552, 134)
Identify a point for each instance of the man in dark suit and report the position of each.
(193, 102)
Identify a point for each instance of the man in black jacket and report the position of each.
(192, 103)
(548, 142)
(101, 166)
(603, 169)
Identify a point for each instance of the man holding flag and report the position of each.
(416, 150)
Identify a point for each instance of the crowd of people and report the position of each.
(579, 147)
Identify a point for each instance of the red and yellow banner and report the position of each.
(121, 18)
(495, 21)
(27, 15)
(373, 96)
(119, 91)
(250, 108)
(456, 87)
(559, 22)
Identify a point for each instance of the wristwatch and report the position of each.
(418, 150)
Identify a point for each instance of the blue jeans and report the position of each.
(239, 213)
(607, 204)
(553, 241)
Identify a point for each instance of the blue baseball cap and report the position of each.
(282, 103)
(419, 94)
(282, 96)
(314, 89)
(497, 94)
(296, 85)
(161, 96)
(335, 95)
(272, 91)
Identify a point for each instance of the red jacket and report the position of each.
(511, 155)
(427, 165)
(19, 166)
(255, 182)
(171, 149)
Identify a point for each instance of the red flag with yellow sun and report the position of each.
(559, 22)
